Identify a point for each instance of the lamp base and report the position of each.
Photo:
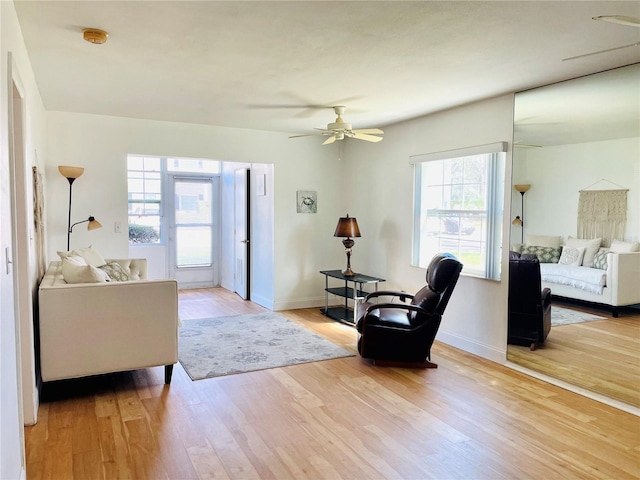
(348, 272)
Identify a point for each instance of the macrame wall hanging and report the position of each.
(602, 213)
(38, 220)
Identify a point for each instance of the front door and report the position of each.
(194, 236)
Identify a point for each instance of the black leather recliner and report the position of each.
(529, 305)
(402, 333)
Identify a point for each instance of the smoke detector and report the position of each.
(95, 35)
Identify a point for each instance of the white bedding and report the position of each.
(585, 278)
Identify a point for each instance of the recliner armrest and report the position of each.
(400, 306)
(390, 293)
(546, 298)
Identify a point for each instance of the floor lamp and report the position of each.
(522, 188)
(71, 173)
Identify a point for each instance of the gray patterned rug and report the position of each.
(211, 347)
(565, 316)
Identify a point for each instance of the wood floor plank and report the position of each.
(340, 418)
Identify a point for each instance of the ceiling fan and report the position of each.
(339, 130)
(619, 19)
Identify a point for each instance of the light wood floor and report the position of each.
(602, 356)
(336, 419)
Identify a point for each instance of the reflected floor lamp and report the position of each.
(71, 173)
(522, 188)
(347, 227)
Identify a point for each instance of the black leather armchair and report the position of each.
(529, 305)
(402, 333)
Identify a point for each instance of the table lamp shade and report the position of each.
(347, 227)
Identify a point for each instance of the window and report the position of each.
(146, 177)
(145, 197)
(458, 208)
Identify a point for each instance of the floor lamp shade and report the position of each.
(347, 227)
(522, 188)
(71, 173)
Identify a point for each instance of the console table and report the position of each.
(345, 314)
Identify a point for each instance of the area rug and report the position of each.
(565, 316)
(211, 347)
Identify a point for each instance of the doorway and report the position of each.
(194, 230)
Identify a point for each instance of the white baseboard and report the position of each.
(314, 302)
(489, 352)
(264, 302)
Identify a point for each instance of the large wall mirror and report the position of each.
(572, 137)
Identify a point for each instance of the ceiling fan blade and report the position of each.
(369, 130)
(329, 140)
(364, 136)
(619, 19)
(601, 51)
(305, 135)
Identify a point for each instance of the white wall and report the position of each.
(557, 174)
(101, 144)
(17, 379)
(381, 198)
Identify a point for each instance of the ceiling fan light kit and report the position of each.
(339, 130)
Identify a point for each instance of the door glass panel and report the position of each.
(193, 219)
(193, 246)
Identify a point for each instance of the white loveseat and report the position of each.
(615, 285)
(94, 328)
(621, 281)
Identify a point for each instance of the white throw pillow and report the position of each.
(544, 240)
(75, 270)
(618, 246)
(76, 260)
(91, 256)
(572, 256)
(591, 247)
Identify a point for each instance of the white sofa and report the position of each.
(621, 286)
(94, 328)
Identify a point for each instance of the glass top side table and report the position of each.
(345, 314)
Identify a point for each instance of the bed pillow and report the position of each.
(591, 247)
(553, 241)
(544, 254)
(600, 260)
(76, 270)
(572, 256)
(618, 246)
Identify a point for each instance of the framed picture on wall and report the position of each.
(307, 201)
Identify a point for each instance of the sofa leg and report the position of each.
(168, 371)
(614, 312)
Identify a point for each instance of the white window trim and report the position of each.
(494, 207)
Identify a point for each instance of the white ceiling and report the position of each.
(267, 65)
